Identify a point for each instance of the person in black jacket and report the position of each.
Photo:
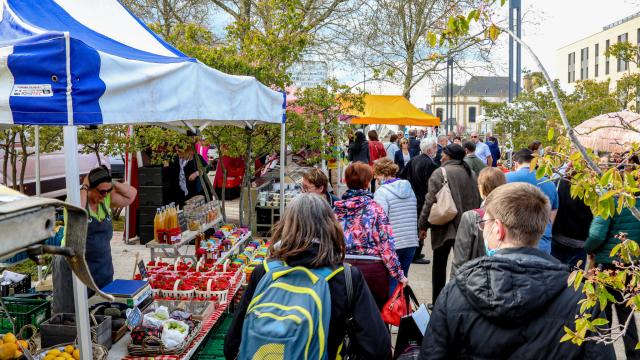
(418, 171)
(359, 149)
(309, 236)
(514, 303)
(402, 156)
(414, 142)
(571, 227)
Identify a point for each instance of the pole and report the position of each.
(73, 197)
(515, 26)
(37, 134)
(283, 161)
(128, 180)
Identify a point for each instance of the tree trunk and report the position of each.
(96, 151)
(24, 156)
(5, 159)
(14, 163)
(408, 78)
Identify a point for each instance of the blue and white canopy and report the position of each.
(91, 62)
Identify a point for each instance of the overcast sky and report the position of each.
(557, 23)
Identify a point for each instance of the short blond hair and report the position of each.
(489, 179)
(523, 209)
(385, 167)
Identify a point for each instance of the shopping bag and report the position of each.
(396, 307)
(412, 326)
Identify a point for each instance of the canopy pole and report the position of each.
(73, 197)
(128, 180)
(37, 136)
(283, 161)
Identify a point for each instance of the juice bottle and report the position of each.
(157, 224)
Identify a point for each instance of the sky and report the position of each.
(550, 24)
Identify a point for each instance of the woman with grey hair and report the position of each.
(309, 236)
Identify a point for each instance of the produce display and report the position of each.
(172, 328)
(67, 352)
(220, 242)
(9, 348)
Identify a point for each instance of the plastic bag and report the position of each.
(396, 307)
(174, 333)
(156, 319)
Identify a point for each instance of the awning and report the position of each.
(392, 110)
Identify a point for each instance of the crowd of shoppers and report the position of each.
(514, 237)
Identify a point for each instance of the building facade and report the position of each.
(468, 113)
(585, 59)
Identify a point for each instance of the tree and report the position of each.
(109, 140)
(167, 14)
(605, 189)
(396, 41)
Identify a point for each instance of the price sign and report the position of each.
(143, 270)
(134, 317)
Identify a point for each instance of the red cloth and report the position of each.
(376, 151)
(235, 172)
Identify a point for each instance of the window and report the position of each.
(472, 114)
(606, 61)
(439, 113)
(596, 56)
(623, 65)
(571, 74)
(584, 63)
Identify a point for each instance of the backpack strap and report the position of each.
(348, 281)
(274, 265)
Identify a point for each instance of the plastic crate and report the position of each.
(23, 312)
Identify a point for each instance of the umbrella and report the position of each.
(612, 132)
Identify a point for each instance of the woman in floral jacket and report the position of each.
(368, 235)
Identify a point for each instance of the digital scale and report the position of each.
(132, 293)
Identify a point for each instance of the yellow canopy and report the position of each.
(392, 110)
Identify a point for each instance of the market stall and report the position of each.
(610, 133)
(391, 110)
(65, 63)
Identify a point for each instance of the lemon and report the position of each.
(17, 354)
(9, 338)
(54, 352)
(76, 354)
(59, 358)
(49, 357)
(69, 349)
(24, 344)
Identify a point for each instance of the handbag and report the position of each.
(412, 326)
(444, 210)
(395, 308)
(348, 349)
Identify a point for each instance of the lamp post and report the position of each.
(515, 25)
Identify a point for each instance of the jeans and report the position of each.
(439, 274)
(405, 256)
(568, 255)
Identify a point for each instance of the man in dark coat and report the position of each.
(514, 303)
(414, 143)
(418, 171)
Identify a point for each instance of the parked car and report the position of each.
(52, 173)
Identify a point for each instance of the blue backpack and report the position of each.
(288, 317)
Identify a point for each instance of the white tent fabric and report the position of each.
(91, 62)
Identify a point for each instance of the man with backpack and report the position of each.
(303, 301)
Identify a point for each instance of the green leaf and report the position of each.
(572, 277)
(541, 170)
(602, 299)
(637, 346)
(566, 337)
(615, 250)
(606, 178)
(578, 280)
(433, 39)
(575, 156)
(550, 134)
(599, 322)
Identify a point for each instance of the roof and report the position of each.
(481, 86)
(392, 110)
(91, 62)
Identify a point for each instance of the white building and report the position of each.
(467, 110)
(585, 59)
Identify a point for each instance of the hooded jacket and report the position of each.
(513, 305)
(371, 337)
(367, 230)
(602, 234)
(399, 203)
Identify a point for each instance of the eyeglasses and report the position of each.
(105, 192)
(481, 223)
(474, 137)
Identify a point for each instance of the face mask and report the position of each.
(489, 252)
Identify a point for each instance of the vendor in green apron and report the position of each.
(98, 194)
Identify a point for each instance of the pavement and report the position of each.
(419, 275)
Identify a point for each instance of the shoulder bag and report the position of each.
(444, 209)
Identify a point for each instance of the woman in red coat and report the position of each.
(376, 151)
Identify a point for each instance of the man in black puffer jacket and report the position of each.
(514, 303)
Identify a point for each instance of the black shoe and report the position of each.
(421, 261)
(430, 307)
(421, 256)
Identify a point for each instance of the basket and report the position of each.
(23, 312)
(116, 334)
(99, 352)
(148, 349)
(208, 294)
(178, 294)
